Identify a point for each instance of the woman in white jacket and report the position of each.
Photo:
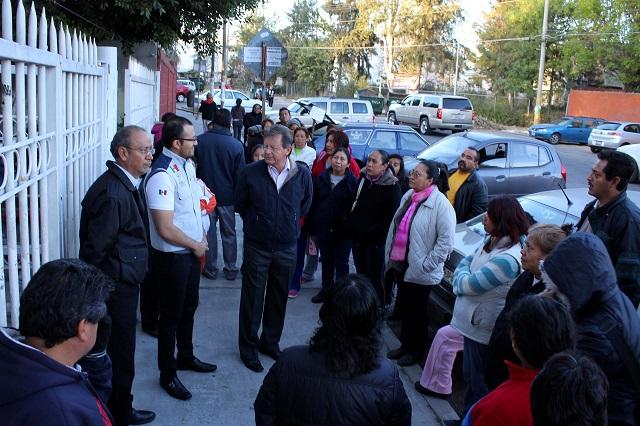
(419, 240)
(301, 150)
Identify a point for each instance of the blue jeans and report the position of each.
(474, 357)
(227, 219)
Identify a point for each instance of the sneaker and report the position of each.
(293, 294)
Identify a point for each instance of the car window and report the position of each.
(447, 150)
(454, 103)
(357, 136)
(294, 107)
(240, 95)
(416, 101)
(339, 108)
(576, 124)
(524, 155)
(322, 105)
(411, 142)
(359, 108)
(407, 100)
(494, 155)
(383, 140)
(632, 128)
(589, 124)
(610, 125)
(228, 94)
(544, 156)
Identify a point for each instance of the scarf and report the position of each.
(401, 239)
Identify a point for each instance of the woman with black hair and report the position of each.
(397, 165)
(333, 194)
(340, 377)
(419, 240)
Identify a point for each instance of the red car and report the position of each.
(182, 92)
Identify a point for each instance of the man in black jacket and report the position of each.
(615, 219)
(271, 197)
(113, 237)
(467, 191)
(220, 160)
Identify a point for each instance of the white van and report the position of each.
(339, 109)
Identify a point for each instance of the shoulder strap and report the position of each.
(353, 207)
(614, 334)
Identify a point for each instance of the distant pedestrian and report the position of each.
(179, 240)
(467, 193)
(59, 313)
(615, 219)
(569, 390)
(206, 110)
(113, 237)
(237, 117)
(340, 377)
(377, 200)
(220, 160)
(251, 119)
(271, 197)
(270, 96)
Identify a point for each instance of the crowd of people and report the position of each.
(546, 318)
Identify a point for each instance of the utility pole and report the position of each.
(455, 80)
(537, 116)
(223, 73)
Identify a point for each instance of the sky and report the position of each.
(473, 11)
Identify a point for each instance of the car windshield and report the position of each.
(455, 103)
(562, 121)
(608, 126)
(541, 213)
(447, 150)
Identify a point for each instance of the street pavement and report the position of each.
(226, 397)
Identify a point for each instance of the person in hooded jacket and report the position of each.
(59, 313)
(376, 202)
(580, 273)
(340, 377)
(251, 119)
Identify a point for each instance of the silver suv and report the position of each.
(430, 112)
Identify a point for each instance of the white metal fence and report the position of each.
(141, 95)
(50, 147)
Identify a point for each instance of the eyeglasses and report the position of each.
(143, 151)
(416, 173)
(187, 139)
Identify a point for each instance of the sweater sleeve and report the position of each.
(265, 403)
(494, 273)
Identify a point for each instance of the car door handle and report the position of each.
(546, 174)
(501, 178)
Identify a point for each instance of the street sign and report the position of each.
(275, 54)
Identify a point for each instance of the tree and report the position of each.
(162, 21)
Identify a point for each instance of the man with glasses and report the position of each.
(113, 237)
(271, 197)
(178, 241)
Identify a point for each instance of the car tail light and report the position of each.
(474, 116)
(613, 134)
(563, 172)
(439, 114)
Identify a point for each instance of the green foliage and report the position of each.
(162, 21)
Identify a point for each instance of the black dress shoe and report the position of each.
(407, 360)
(429, 392)
(396, 353)
(150, 330)
(196, 365)
(271, 353)
(253, 365)
(209, 275)
(175, 388)
(318, 298)
(141, 417)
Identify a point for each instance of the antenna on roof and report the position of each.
(569, 202)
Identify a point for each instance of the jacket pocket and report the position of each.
(133, 263)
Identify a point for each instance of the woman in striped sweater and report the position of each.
(481, 282)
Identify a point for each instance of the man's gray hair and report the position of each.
(123, 138)
(278, 129)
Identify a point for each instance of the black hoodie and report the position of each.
(581, 269)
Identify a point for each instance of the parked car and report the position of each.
(431, 112)
(551, 207)
(186, 82)
(230, 97)
(634, 152)
(182, 92)
(367, 137)
(614, 135)
(339, 109)
(568, 129)
(509, 163)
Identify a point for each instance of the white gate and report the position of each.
(52, 132)
(140, 97)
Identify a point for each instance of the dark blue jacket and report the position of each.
(271, 218)
(330, 207)
(37, 390)
(581, 269)
(220, 159)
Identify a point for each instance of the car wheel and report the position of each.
(391, 118)
(554, 139)
(595, 150)
(181, 97)
(425, 128)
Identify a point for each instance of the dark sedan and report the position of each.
(509, 163)
(367, 137)
(552, 207)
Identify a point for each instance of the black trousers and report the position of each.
(369, 261)
(122, 307)
(335, 259)
(149, 303)
(178, 282)
(266, 276)
(414, 300)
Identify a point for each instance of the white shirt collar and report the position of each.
(135, 182)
